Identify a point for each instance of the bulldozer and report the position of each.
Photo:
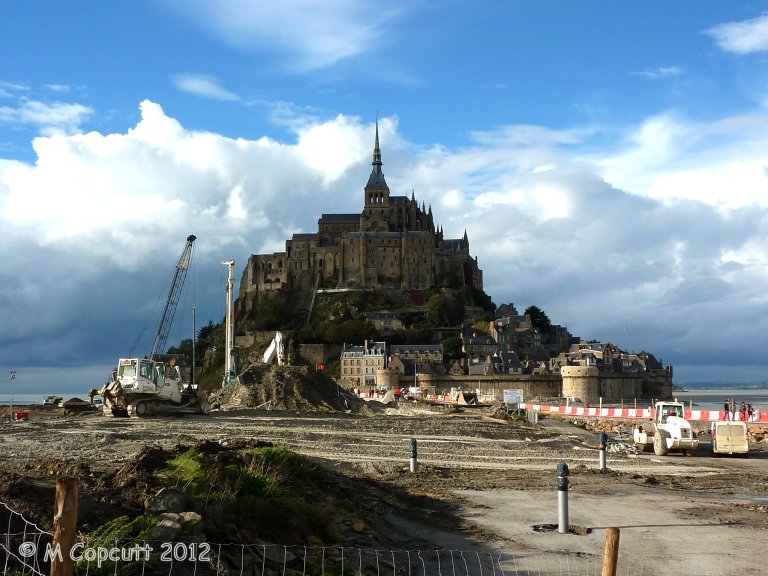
(147, 387)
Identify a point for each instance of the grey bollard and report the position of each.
(414, 464)
(602, 440)
(563, 483)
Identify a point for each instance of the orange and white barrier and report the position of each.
(627, 413)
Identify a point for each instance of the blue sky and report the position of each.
(608, 160)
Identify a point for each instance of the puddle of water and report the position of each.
(749, 497)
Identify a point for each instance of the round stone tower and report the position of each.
(581, 382)
(388, 377)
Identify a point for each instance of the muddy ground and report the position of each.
(483, 484)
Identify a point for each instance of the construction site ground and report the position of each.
(482, 483)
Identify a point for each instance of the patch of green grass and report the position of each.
(264, 472)
(280, 464)
(189, 471)
(122, 530)
(267, 490)
(121, 533)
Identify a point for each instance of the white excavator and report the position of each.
(149, 386)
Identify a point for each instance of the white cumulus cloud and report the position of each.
(311, 35)
(742, 37)
(49, 118)
(205, 86)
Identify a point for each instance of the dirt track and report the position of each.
(481, 481)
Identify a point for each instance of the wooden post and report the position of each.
(611, 552)
(64, 526)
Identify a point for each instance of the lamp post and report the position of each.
(13, 377)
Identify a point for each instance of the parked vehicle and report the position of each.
(730, 438)
(52, 400)
(75, 406)
(668, 432)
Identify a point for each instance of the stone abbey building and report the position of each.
(392, 243)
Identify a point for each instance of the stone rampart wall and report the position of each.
(610, 387)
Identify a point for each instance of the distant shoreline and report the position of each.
(694, 386)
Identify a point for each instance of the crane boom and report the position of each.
(158, 346)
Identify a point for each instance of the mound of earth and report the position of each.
(287, 388)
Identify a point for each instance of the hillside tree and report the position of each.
(538, 318)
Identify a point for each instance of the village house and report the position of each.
(359, 364)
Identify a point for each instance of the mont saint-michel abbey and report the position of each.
(392, 243)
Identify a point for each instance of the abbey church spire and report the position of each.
(376, 179)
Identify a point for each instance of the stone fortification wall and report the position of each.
(618, 386)
(532, 385)
(582, 382)
(658, 384)
(319, 353)
(245, 341)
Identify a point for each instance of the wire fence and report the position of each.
(25, 549)
(20, 543)
(33, 556)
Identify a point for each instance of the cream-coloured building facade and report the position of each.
(360, 363)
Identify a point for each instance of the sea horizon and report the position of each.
(723, 385)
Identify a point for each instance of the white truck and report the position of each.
(730, 438)
(668, 432)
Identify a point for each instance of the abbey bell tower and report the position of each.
(376, 211)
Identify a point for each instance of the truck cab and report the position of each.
(664, 411)
(140, 377)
